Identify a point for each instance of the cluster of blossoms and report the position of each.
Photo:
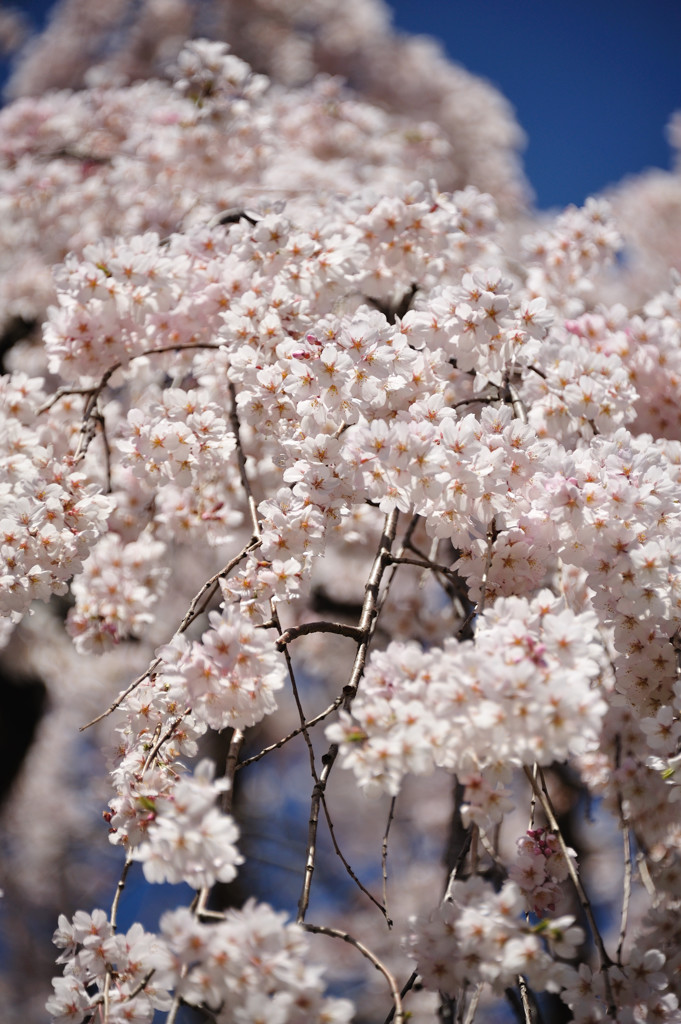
(51, 513)
(231, 676)
(115, 590)
(92, 951)
(642, 989)
(540, 868)
(250, 967)
(228, 679)
(520, 693)
(187, 838)
(299, 351)
(477, 936)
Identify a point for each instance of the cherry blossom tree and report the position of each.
(340, 534)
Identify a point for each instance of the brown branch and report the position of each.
(98, 417)
(626, 893)
(192, 613)
(168, 734)
(384, 859)
(346, 865)
(408, 985)
(121, 697)
(313, 822)
(339, 628)
(473, 1005)
(95, 390)
(294, 732)
(365, 629)
(525, 1000)
(335, 933)
(241, 459)
(425, 563)
(539, 786)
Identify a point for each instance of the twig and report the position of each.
(305, 628)
(335, 933)
(313, 821)
(163, 739)
(94, 390)
(241, 459)
(346, 865)
(194, 610)
(648, 884)
(99, 418)
(119, 890)
(384, 858)
(473, 1005)
(319, 789)
(231, 764)
(525, 999)
(460, 861)
(192, 613)
(626, 840)
(533, 799)
(510, 394)
(539, 786)
(365, 627)
(112, 920)
(294, 732)
(492, 853)
(626, 893)
(408, 985)
(121, 697)
(425, 563)
(491, 537)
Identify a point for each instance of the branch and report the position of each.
(339, 628)
(193, 613)
(545, 801)
(365, 629)
(384, 858)
(295, 732)
(319, 929)
(241, 458)
(408, 985)
(313, 821)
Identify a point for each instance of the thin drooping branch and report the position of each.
(313, 821)
(538, 784)
(470, 834)
(491, 538)
(163, 738)
(121, 697)
(95, 390)
(370, 607)
(310, 722)
(335, 933)
(196, 608)
(407, 987)
(346, 865)
(626, 885)
(241, 459)
(365, 626)
(203, 597)
(384, 858)
(119, 891)
(473, 1005)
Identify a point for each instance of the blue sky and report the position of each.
(593, 82)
